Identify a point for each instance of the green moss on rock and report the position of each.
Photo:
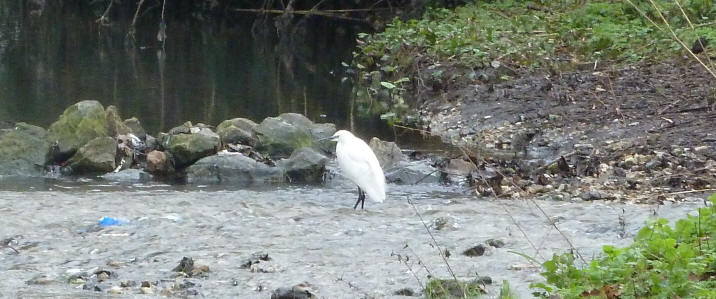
(23, 150)
(77, 125)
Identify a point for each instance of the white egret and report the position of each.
(359, 164)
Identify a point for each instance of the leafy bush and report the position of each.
(663, 262)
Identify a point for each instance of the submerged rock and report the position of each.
(413, 172)
(232, 168)
(23, 150)
(159, 163)
(77, 125)
(305, 165)
(388, 153)
(477, 250)
(128, 176)
(186, 148)
(237, 131)
(280, 136)
(97, 156)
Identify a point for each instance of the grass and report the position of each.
(447, 289)
(523, 36)
(663, 262)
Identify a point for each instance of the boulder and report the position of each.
(128, 176)
(159, 163)
(23, 150)
(280, 136)
(305, 165)
(188, 148)
(459, 167)
(388, 153)
(413, 172)
(321, 131)
(97, 156)
(135, 127)
(237, 131)
(115, 125)
(77, 125)
(232, 168)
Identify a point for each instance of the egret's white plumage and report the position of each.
(359, 164)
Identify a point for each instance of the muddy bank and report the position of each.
(312, 236)
(632, 133)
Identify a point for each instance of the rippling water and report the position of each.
(312, 235)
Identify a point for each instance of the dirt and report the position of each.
(656, 122)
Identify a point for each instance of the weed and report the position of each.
(663, 262)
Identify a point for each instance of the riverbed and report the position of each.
(312, 235)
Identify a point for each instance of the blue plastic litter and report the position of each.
(109, 221)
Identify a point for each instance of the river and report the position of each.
(311, 234)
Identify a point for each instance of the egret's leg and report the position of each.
(361, 199)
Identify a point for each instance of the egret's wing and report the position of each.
(359, 164)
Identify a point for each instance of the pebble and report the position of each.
(146, 290)
(115, 290)
(478, 250)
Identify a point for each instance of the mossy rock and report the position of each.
(305, 165)
(79, 124)
(278, 137)
(115, 125)
(237, 131)
(188, 148)
(23, 150)
(97, 156)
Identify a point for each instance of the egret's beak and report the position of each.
(331, 138)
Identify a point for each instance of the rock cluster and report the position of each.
(91, 140)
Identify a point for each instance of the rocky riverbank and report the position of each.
(641, 133)
(89, 140)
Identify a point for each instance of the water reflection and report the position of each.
(205, 72)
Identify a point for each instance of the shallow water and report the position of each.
(312, 235)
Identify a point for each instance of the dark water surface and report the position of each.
(205, 72)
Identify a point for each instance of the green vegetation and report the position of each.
(663, 262)
(447, 289)
(506, 292)
(523, 35)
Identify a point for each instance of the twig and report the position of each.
(103, 19)
(435, 242)
(698, 40)
(324, 13)
(668, 26)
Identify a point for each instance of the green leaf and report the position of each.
(387, 85)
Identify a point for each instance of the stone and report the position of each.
(413, 172)
(477, 250)
(116, 290)
(132, 175)
(305, 165)
(41, 279)
(159, 163)
(186, 265)
(135, 127)
(77, 125)
(489, 175)
(495, 243)
(295, 292)
(404, 292)
(255, 258)
(232, 168)
(187, 148)
(388, 153)
(279, 137)
(146, 290)
(237, 131)
(323, 131)
(115, 125)
(591, 195)
(459, 167)
(97, 156)
(23, 150)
